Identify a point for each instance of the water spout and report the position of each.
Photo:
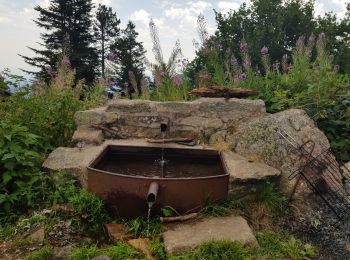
(152, 193)
(151, 199)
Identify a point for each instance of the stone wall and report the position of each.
(201, 119)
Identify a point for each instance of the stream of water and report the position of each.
(150, 204)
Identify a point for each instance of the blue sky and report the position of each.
(175, 20)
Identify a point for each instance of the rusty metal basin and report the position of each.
(121, 176)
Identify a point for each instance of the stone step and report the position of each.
(245, 173)
(183, 237)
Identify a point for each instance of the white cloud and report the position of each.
(225, 7)
(187, 13)
(141, 16)
(104, 2)
(5, 20)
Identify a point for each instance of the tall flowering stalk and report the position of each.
(265, 59)
(245, 55)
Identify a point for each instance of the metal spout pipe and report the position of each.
(152, 193)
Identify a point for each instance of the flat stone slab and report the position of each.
(243, 170)
(187, 236)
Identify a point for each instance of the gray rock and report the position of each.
(88, 136)
(243, 169)
(185, 237)
(72, 160)
(94, 117)
(259, 140)
(36, 234)
(62, 252)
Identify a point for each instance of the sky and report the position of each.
(174, 19)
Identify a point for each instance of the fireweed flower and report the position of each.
(195, 44)
(162, 73)
(243, 46)
(276, 66)
(264, 50)
(285, 65)
(112, 56)
(322, 36)
(126, 84)
(240, 77)
(177, 79)
(233, 61)
(65, 61)
(246, 62)
(312, 38)
(203, 74)
(50, 71)
(300, 41)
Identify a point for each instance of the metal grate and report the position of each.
(323, 175)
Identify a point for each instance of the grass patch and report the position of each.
(276, 201)
(116, 252)
(157, 248)
(272, 246)
(222, 208)
(140, 227)
(44, 253)
(21, 242)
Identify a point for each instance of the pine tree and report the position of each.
(106, 29)
(130, 63)
(67, 25)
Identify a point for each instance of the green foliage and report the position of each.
(272, 246)
(88, 205)
(45, 253)
(86, 252)
(129, 66)
(116, 252)
(21, 242)
(276, 201)
(167, 90)
(67, 27)
(157, 248)
(140, 227)
(122, 251)
(21, 185)
(279, 246)
(106, 29)
(48, 114)
(223, 208)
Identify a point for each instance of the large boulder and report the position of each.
(260, 140)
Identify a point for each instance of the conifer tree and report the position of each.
(130, 63)
(106, 29)
(67, 24)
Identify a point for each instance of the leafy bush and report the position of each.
(20, 184)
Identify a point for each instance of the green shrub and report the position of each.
(21, 184)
